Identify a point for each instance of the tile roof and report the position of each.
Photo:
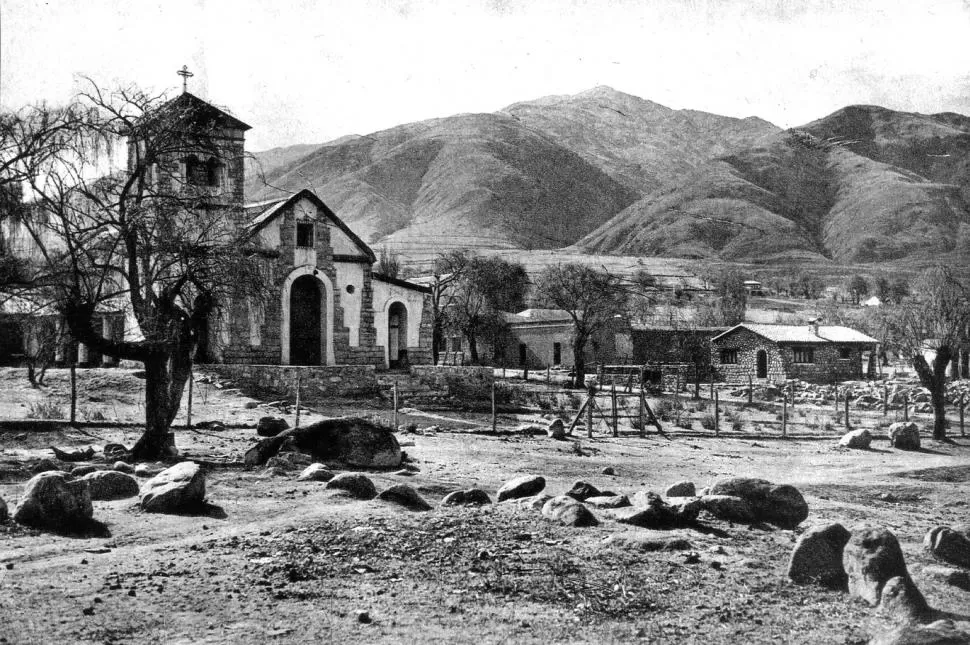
(803, 333)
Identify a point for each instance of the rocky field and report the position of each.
(271, 553)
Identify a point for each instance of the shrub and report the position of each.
(707, 422)
(45, 410)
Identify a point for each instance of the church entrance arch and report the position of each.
(306, 321)
(397, 335)
(762, 366)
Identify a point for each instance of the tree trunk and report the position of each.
(933, 378)
(579, 362)
(472, 348)
(165, 379)
(436, 337)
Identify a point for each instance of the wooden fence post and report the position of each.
(548, 375)
(784, 416)
(750, 389)
(394, 397)
(616, 430)
(494, 420)
(525, 373)
(712, 386)
(74, 390)
(885, 400)
(299, 386)
(640, 414)
(697, 383)
(848, 426)
(591, 398)
(962, 396)
(188, 409)
(906, 407)
(717, 414)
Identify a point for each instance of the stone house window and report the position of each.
(845, 353)
(304, 234)
(729, 357)
(556, 353)
(523, 354)
(803, 355)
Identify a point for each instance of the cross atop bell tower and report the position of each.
(186, 75)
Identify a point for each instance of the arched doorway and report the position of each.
(762, 360)
(305, 321)
(397, 335)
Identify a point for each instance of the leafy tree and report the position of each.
(486, 287)
(899, 289)
(144, 237)
(858, 288)
(936, 318)
(883, 289)
(809, 286)
(728, 300)
(591, 297)
(388, 264)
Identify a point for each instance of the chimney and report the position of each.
(814, 326)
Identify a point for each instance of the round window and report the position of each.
(350, 288)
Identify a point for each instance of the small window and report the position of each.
(803, 355)
(845, 353)
(523, 353)
(195, 172)
(213, 172)
(456, 344)
(350, 288)
(729, 357)
(556, 353)
(304, 234)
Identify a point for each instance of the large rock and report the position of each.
(556, 430)
(941, 632)
(817, 556)
(950, 544)
(111, 484)
(316, 473)
(52, 501)
(583, 490)
(859, 439)
(904, 435)
(353, 484)
(609, 501)
(271, 426)
(288, 460)
(902, 601)
(566, 510)
(728, 507)
(533, 502)
(352, 440)
(524, 486)
(405, 496)
(681, 489)
(871, 558)
(123, 467)
(651, 511)
(470, 497)
(781, 505)
(179, 489)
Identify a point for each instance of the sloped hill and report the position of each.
(468, 180)
(864, 184)
(640, 143)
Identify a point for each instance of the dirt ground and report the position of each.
(278, 560)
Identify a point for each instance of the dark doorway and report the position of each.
(305, 317)
(762, 363)
(556, 353)
(523, 354)
(397, 336)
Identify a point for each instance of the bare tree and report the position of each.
(446, 271)
(155, 237)
(591, 297)
(935, 318)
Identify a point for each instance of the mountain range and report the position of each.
(607, 172)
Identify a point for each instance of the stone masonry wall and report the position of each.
(316, 381)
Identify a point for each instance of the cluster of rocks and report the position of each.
(869, 565)
(738, 499)
(903, 435)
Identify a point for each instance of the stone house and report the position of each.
(774, 353)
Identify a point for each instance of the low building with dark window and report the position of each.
(816, 353)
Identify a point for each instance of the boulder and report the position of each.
(609, 501)
(651, 511)
(81, 471)
(52, 501)
(948, 575)
(857, 439)
(567, 511)
(904, 436)
(871, 558)
(524, 486)
(556, 430)
(902, 601)
(315, 473)
(583, 490)
(271, 426)
(533, 502)
(147, 470)
(115, 452)
(123, 467)
(470, 497)
(352, 440)
(609, 470)
(405, 496)
(727, 507)
(46, 466)
(781, 505)
(681, 489)
(950, 545)
(353, 484)
(941, 632)
(178, 489)
(111, 484)
(817, 556)
(287, 461)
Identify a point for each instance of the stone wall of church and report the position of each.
(315, 381)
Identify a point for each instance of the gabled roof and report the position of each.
(261, 213)
(188, 109)
(802, 333)
(380, 277)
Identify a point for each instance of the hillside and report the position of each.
(865, 184)
(539, 174)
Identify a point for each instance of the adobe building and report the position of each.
(774, 353)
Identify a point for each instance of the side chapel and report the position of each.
(328, 307)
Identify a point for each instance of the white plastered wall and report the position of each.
(351, 275)
(384, 296)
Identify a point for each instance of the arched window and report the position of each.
(213, 172)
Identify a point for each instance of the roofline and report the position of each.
(312, 196)
(380, 277)
(821, 339)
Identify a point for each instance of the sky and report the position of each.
(309, 71)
